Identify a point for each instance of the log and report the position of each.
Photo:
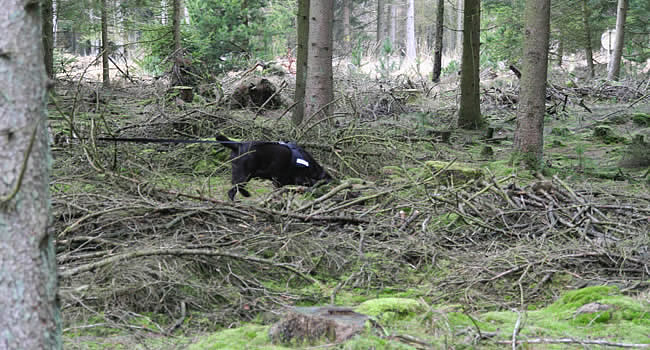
(307, 325)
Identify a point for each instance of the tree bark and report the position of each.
(437, 50)
(176, 25)
(410, 31)
(301, 61)
(560, 50)
(319, 83)
(615, 66)
(380, 21)
(469, 113)
(29, 313)
(529, 136)
(459, 24)
(588, 48)
(105, 49)
(346, 25)
(392, 26)
(48, 39)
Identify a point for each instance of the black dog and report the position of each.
(282, 163)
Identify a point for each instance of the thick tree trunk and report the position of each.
(48, 39)
(410, 31)
(176, 25)
(469, 113)
(105, 49)
(380, 21)
(319, 83)
(29, 314)
(615, 65)
(437, 50)
(346, 25)
(529, 134)
(301, 61)
(588, 49)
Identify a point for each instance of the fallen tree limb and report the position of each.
(177, 252)
(574, 341)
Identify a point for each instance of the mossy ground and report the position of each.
(626, 321)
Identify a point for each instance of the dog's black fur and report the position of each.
(271, 161)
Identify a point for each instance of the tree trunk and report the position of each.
(560, 50)
(29, 313)
(588, 49)
(176, 25)
(615, 66)
(105, 49)
(459, 24)
(437, 50)
(319, 82)
(301, 61)
(529, 136)
(380, 21)
(469, 113)
(393, 26)
(163, 12)
(346, 25)
(410, 31)
(55, 22)
(48, 39)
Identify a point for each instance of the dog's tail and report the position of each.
(226, 142)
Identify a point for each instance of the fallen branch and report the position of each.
(574, 341)
(177, 252)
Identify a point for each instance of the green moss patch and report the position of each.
(245, 337)
(398, 306)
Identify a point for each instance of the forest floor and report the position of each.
(435, 232)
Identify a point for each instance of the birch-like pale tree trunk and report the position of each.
(615, 64)
(410, 31)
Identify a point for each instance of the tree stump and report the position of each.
(310, 324)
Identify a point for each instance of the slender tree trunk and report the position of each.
(346, 25)
(48, 39)
(469, 113)
(410, 31)
(319, 83)
(301, 61)
(529, 134)
(186, 14)
(393, 26)
(29, 312)
(560, 50)
(105, 47)
(163, 12)
(615, 66)
(437, 50)
(55, 22)
(380, 21)
(459, 24)
(176, 25)
(588, 49)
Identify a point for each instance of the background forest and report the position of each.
(462, 215)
